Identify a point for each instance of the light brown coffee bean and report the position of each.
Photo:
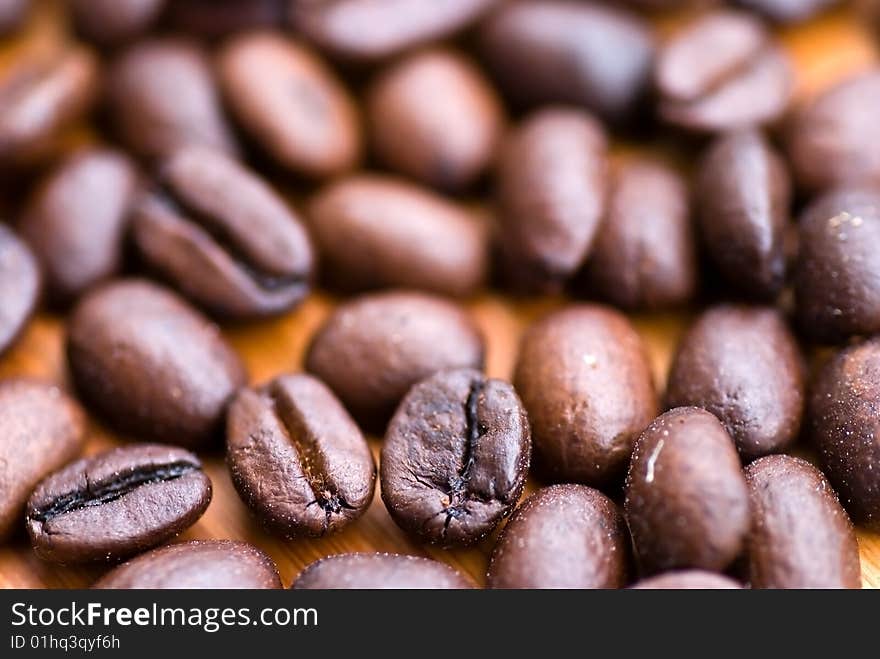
(379, 571)
(113, 22)
(687, 580)
(20, 284)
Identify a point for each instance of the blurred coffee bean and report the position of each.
(12, 14)
(379, 571)
(687, 580)
(215, 20)
(19, 286)
(787, 11)
(113, 22)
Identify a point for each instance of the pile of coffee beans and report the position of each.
(402, 157)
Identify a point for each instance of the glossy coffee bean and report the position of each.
(12, 14)
(76, 220)
(41, 429)
(687, 580)
(115, 22)
(455, 457)
(843, 426)
(150, 364)
(743, 365)
(787, 11)
(800, 535)
(378, 231)
(214, 20)
(584, 378)
(551, 196)
(686, 499)
(379, 571)
(297, 458)
(19, 286)
(116, 504)
(290, 103)
(372, 349)
(222, 236)
(563, 536)
(199, 565)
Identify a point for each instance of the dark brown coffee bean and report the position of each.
(214, 20)
(199, 565)
(19, 286)
(372, 349)
(365, 30)
(800, 536)
(585, 380)
(116, 504)
(115, 21)
(686, 500)
(76, 220)
(150, 364)
(563, 536)
(645, 256)
(551, 193)
(743, 365)
(455, 457)
(223, 237)
(297, 458)
(548, 51)
(843, 425)
(435, 118)
(41, 429)
(687, 580)
(290, 104)
(162, 96)
(379, 571)
(787, 11)
(743, 196)
(12, 14)
(374, 232)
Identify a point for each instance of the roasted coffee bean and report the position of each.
(455, 457)
(838, 268)
(563, 536)
(584, 378)
(787, 11)
(162, 96)
(379, 571)
(687, 580)
(290, 104)
(12, 14)
(549, 51)
(116, 504)
(372, 349)
(215, 20)
(76, 220)
(743, 365)
(435, 118)
(644, 256)
(115, 21)
(223, 237)
(723, 71)
(377, 231)
(297, 458)
(743, 197)
(800, 536)
(19, 286)
(150, 364)
(365, 30)
(41, 429)
(199, 565)
(844, 427)
(686, 499)
(551, 193)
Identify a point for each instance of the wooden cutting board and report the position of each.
(825, 51)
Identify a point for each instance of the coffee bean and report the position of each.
(590, 55)
(584, 378)
(800, 536)
(787, 11)
(12, 14)
(222, 236)
(116, 504)
(379, 571)
(377, 231)
(743, 196)
(215, 20)
(686, 500)
(687, 580)
(19, 286)
(455, 457)
(644, 256)
(743, 365)
(162, 96)
(199, 565)
(372, 349)
(563, 536)
(843, 426)
(551, 193)
(41, 429)
(76, 220)
(297, 458)
(435, 118)
(150, 364)
(290, 104)
(112, 22)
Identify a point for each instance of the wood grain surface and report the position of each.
(825, 51)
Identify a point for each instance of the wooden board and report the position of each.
(825, 51)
